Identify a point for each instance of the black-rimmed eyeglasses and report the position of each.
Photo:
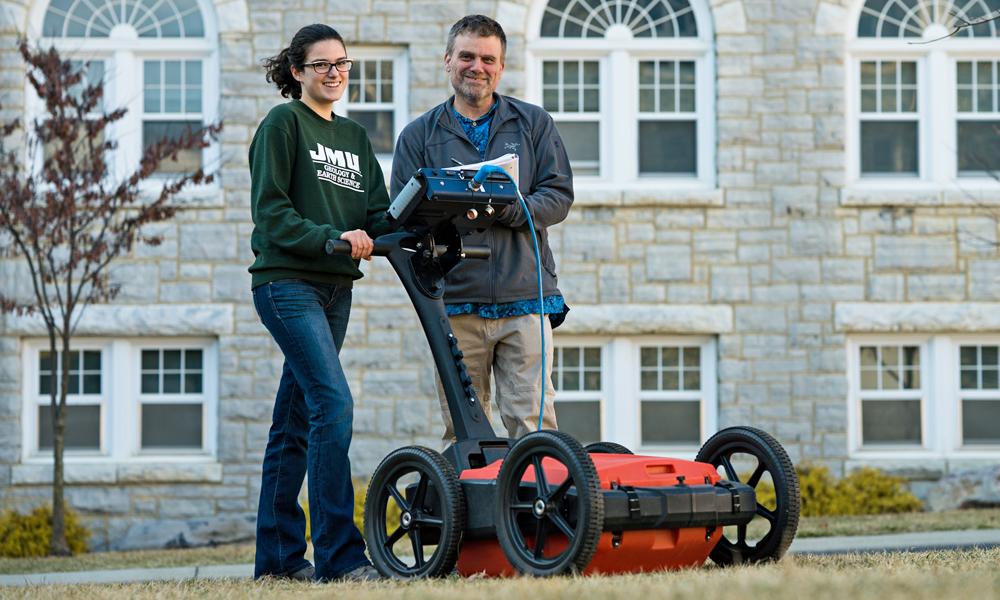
(322, 67)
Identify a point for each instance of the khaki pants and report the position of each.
(509, 348)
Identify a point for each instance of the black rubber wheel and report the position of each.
(742, 443)
(606, 448)
(423, 484)
(536, 519)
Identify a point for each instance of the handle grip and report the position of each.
(343, 247)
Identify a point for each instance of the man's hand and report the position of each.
(361, 245)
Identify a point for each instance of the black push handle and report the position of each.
(383, 249)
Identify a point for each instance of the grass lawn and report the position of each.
(927, 575)
(243, 554)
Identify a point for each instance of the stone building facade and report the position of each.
(784, 218)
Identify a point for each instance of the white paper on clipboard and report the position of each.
(507, 162)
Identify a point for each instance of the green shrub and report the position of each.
(867, 491)
(26, 536)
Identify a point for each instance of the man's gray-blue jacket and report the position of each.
(436, 139)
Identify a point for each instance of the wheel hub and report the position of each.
(406, 519)
(539, 508)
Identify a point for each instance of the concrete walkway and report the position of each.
(900, 542)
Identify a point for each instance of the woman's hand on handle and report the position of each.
(361, 244)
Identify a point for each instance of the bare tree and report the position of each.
(68, 215)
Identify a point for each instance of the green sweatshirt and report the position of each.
(311, 180)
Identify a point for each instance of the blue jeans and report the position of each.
(310, 431)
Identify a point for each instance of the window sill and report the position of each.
(639, 319)
(973, 191)
(206, 195)
(917, 317)
(658, 192)
(189, 469)
(137, 320)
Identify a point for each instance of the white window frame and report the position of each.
(936, 107)
(123, 53)
(940, 398)
(121, 401)
(400, 90)
(621, 396)
(619, 54)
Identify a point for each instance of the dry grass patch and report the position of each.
(985, 518)
(918, 576)
(136, 559)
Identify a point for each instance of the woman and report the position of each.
(314, 177)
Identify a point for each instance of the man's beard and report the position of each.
(473, 93)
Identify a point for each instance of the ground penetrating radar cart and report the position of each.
(544, 504)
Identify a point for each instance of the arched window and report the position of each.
(925, 105)
(157, 58)
(630, 84)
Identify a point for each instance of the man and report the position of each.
(493, 304)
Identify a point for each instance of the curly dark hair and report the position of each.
(480, 25)
(279, 67)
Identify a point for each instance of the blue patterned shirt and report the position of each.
(478, 129)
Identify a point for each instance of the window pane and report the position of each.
(647, 100)
(978, 147)
(968, 356)
(671, 422)
(150, 359)
(171, 359)
(991, 355)
(92, 384)
(581, 142)
(671, 380)
(908, 73)
(648, 380)
(964, 73)
(670, 356)
(187, 160)
(83, 427)
(869, 379)
(571, 100)
(980, 421)
(890, 422)
(964, 100)
(571, 358)
(550, 99)
(692, 379)
(171, 383)
(990, 379)
(868, 357)
(571, 380)
(45, 361)
(592, 357)
(591, 72)
(648, 357)
(889, 147)
(150, 383)
(692, 357)
(970, 379)
(868, 98)
(92, 360)
(171, 426)
(378, 124)
(868, 73)
(581, 419)
(647, 72)
(592, 381)
(667, 147)
(550, 72)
